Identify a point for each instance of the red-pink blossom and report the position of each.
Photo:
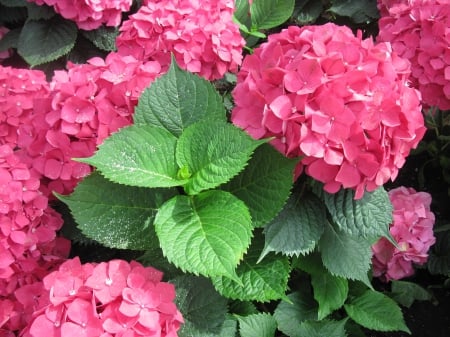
(29, 247)
(22, 92)
(412, 229)
(89, 14)
(341, 103)
(419, 31)
(201, 35)
(89, 300)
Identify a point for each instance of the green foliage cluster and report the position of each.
(218, 212)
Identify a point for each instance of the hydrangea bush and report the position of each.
(176, 133)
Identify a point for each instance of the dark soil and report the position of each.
(425, 318)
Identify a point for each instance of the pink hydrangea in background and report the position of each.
(419, 31)
(341, 103)
(114, 298)
(412, 229)
(29, 247)
(201, 35)
(22, 93)
(89, 14)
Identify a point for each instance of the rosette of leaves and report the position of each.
(199, 196)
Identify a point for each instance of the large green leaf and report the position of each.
(115, 215)
(321, 329)
(265, 184)
(298, 227)
(368, 217)
(406, 293)
(205, 234)
(203, 309)
(37, 12)
(177, 100)
(210, 153)
(103, 37)
(376, 311)
(307, 11)
(257, 325)
(289, 316)
(267, 14)
(141, 155)
(261, 282)
(13, 3)
(46, 40)
(359, 11)
(345, 255)
(329, 291)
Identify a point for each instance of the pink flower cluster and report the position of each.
(412, 228)
(341, 103)
(29, 247)
(114, 298)
(89, 14)
(201, 35)
(43, 126)
(419, 31)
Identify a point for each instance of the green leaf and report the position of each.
(289, 316)
(103, 37)
(227, 329)
(406, 293)
(138, 155)
(368, 217)
(375, 311)
(322, 328)
(258, 325)
(265, 184)
(241, 10)
(267, 14)
(213, 152)
(10, 39)
(360, 11)
(13, 3)
(46, 40)
(439, 257)
(329, 291)
(307, 11)
(298, 227)
(345, 255)
(205, 234)
(242, 308)
(36, 12)
(12, 15)
(260, 282)
(177, 100)
(115, 215)
(203, 309)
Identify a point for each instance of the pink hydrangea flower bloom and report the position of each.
(89, 14)
(418, 31)
(201, 35)
(99, 300)
(29, 247)
(21, 92)
(412, 228)
(341, 103)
